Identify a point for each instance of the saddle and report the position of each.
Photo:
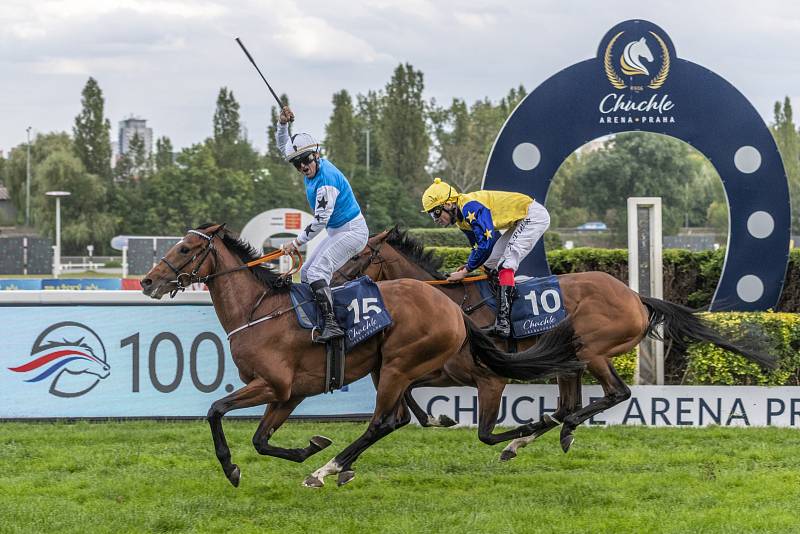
(359, 310)
(537, 306)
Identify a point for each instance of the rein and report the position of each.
(185, 279)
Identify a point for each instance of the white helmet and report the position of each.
(302, 144)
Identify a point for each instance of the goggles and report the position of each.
(436, 212)
(306, 159)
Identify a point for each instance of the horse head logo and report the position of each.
(631, 60)
(72, 354)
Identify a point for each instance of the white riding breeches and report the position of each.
(339, 245)
(517, 242)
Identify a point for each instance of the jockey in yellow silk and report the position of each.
(481, 215)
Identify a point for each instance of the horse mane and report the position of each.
(414, 251)
(246, 252)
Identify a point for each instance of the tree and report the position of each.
(368, 117)
(91, 132)
(15, 173)
(341, 134)
(402, 133)
(164, 156)
(786, 137)
(230, 148)
(84, 217)
(274, 152)
(195, 191)
(634, 164)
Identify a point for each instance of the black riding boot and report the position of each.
(502, 323)
(331, 329)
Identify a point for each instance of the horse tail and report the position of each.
(683, 327)
(555, 353)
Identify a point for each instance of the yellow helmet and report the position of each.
(437, 194)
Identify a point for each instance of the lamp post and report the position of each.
(367, 132)
(28, 182)
(57, 259)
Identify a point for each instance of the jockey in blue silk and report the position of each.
(335, 210)
(481, 215)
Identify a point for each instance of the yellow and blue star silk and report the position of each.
(483, 213)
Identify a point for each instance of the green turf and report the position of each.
(163, 477)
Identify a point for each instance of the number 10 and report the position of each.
(544, 301)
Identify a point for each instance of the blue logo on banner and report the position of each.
(358, 305)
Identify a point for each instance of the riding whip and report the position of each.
(278, 100)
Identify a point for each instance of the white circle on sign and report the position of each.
(747, 159)
(526, 156)
(750, 288)
(760, 224)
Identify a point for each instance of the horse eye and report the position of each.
(184, 250)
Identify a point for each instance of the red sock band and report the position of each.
(506, 277)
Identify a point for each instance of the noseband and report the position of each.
(184, 279)
(375, 258)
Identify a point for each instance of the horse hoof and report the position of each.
(235, 476)
(566, 442)
(313, 482)
(320, 442)
(446, 422)
(345, 477)
(507, 455)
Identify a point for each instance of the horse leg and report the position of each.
(386, 418)
(569, 393)
(425, 419)
(614, 389)
(276, 415)
(253, 394)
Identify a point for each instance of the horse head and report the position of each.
(368, 262)
(183, 264)
(631, 60)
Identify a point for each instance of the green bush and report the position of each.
(453, 237)
(777, 334)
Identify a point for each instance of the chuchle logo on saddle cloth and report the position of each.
(538, 305)
(358, 305)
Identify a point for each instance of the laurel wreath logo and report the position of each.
(661, 77)
(618, 82)
(612, 75)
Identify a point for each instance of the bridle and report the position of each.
(184, 279)
(375, 258)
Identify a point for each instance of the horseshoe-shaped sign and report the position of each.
(637, 83)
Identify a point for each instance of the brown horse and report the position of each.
(281, 366)
(608, 317)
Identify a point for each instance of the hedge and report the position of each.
(690, 278)
(777, 334)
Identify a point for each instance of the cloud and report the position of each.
(475, 21)
(308, 37)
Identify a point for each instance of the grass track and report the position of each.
(163, 477)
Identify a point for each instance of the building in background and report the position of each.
(130, 127)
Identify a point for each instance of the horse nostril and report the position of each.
(146, 282)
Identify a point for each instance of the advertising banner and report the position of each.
(130, 358)
(129, 361)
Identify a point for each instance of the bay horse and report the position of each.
(608, 317)
(280, 365)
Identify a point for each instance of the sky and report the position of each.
(165, 60)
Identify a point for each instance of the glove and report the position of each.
(458, 275)
(289, 247)
(286, 115)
